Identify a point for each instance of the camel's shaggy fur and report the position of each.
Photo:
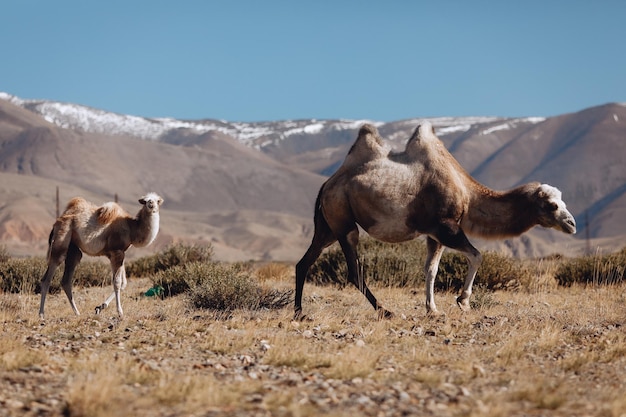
(98, 231)
(396, 197)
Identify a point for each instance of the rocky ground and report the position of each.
(552, 353)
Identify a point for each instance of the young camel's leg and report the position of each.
(322, 238)
(111, 296)
(53, 264)
(450, 234)
(119, 282)
(72, 259)
(58, 246)
(349, 244)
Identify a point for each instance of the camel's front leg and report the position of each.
(119, 283)
(474, 258)
(74, 255)
(450, 234)
(435, 250)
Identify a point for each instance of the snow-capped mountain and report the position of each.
(254, 134)
(250, 186)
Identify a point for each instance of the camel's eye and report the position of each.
(553, 206)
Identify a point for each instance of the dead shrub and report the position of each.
(23, 275)
(274, 271)
(173, 255)
(219, 286)
(402, 265)
(593, 269)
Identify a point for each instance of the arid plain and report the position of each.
(538, 351)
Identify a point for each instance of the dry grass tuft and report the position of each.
(275, 271)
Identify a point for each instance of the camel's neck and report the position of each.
(145, 228)
(494, 214)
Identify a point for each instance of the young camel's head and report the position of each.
(151, 202)
(551, 210)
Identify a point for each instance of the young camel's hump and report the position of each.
(96, 228)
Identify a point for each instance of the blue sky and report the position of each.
(275, 60)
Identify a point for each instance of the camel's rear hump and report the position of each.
(423, 137)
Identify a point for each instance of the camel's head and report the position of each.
(552, 211)
(151, 202)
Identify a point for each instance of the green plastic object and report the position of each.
(155, 291)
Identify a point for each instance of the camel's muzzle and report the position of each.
(568, 225)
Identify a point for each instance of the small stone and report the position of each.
(403, 396)
(246, 360)
(478, 370)
(307, 334)
(14, 404)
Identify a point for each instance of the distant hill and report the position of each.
(249, 188)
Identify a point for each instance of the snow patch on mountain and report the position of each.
(254, 134)
(511, 124)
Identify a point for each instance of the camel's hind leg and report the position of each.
(322, 238)
(349, 244)
(53, 264)
(72, 259)
(58, 246)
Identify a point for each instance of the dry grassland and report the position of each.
(552, 351)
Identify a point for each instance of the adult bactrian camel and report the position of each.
(98, 231)
(396, 197)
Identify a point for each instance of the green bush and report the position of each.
(173, 255)
(402, 265)
(595, 270)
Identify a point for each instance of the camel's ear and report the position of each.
(142, 201)
(160, 201)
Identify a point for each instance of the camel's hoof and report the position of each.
(436, 315)
(463, 303)
(384, 314)
(298, 316)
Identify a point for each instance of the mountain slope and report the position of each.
(212, 174)
(249, 188)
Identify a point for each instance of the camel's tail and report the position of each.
(50, 239)
(321, 225)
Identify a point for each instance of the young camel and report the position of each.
(98, 231)
(396, 197)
